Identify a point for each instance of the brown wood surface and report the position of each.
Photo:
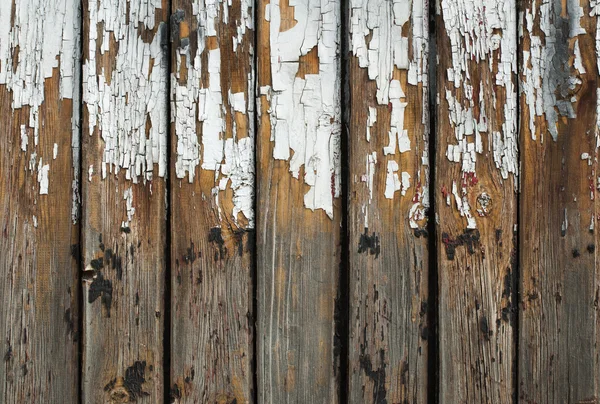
(39, 240)
(298, 252)
(476, 265)
(388, 259)
(558, 340)
(123, 257)
(211, 243)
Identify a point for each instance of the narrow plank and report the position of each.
(476, 166)
(39, 165)
(125, 89)
(212, 232)
(298, 206)
(559, 325)
(388, 200)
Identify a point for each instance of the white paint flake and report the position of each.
(130, 210)
(127, 106)
(42, 177)
(197, 108)
(55, 151)
(305, 111)
(24, 138)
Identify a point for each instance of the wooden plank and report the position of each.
(476, 167)
(559, 214)
(212, 232)
(298, 206)
(39, 164)
(388, 201)
(125, 90)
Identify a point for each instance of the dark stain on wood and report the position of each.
(369, 244)
(101, 287)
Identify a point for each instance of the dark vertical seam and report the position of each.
(169, 225)
(79, 217)
(343, 301)
(254, 252)
(433, 359)
(516, 265)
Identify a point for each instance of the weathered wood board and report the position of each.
(39, 164)
(476, 166)
(388, 200)
(212, 191)
(558, 339)
(125, 96)
(298, 204)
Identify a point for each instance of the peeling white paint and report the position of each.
(124, 102)
(55, 151)
(547, 81)
(380, 41)
(38, 37)
(229, 155)
(305, 111)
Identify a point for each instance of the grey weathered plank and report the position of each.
(476, 167)
(298, 206)
(125, 92)
(39, 164)
(212, 161)
(558, 345)
(388, 200)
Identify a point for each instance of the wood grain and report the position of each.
(298, 252)
(388, 238)
(125, 86)
(211, 241)
(476, 165)
(559, 213)
(39, 287)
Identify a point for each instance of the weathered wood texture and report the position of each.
(298, 185)
(388, 199)
(476, 167)
(125, 92)
(39, 73)
(558, 354)
(212, 230)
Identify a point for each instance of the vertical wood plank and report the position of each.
(388, 200)
(125, 84)
(298, 206)
(476, 175)
(212, 235)
(39, 164)
(559, 214)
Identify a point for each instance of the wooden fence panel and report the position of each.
(388, 126)
(476, 167)
(558, 344)
(298, 204)
(39, 165)
(125, 95)
(212, 231)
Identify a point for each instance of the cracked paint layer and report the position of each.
(127, 106)
(480, 30)
(380, 41)
(32, 48)
(304, 109)
(552, 64)
(201, 105)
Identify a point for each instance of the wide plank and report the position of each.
(388, 200)
(212, 197)
(125, 95)
(559, 291)
(298, 200)
(39, 168)
(476, 169)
